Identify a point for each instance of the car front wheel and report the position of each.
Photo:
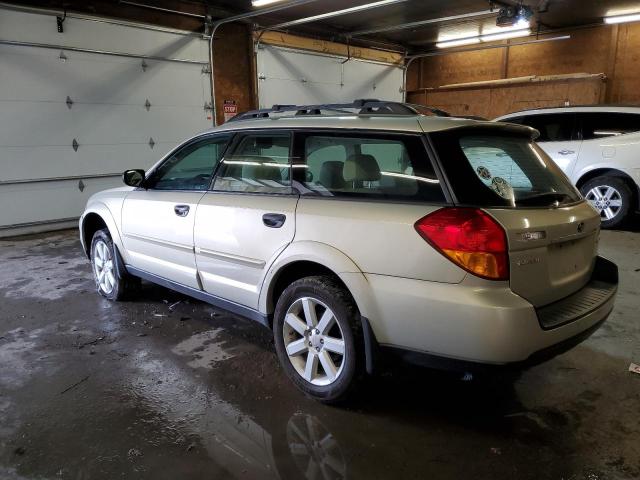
(317, 337)
(611, 197)
(111, 282)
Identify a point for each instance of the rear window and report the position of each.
(553, 127)
(501, 170)
(366, 166)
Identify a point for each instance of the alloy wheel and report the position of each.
(314, 341)
(103, 267)
(606, 200)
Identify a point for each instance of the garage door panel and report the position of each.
(277, 63)
(38, 74)
(96, 35)
(107, 118)
(50, 200)
(287, 76)
(26, 163)
(373, 80)
(53, 124)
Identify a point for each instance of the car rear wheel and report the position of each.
(611, 197)
(111, 282)
(317, 337)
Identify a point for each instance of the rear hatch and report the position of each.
(552, 234)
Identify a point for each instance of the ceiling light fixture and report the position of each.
(458, 42)
(491, 36)
(505, 35)
(632, 17)
(262, 3)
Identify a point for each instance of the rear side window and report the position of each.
(365, 166)
(556, 127)
(496, 169)
(257, 163)
(604, 124)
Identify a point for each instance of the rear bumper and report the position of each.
(479, 325)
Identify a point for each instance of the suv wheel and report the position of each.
(611, 197)
(317, 337)
(110, 281)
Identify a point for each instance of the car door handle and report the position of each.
(566, 152)
(181, 210)
(273, 220)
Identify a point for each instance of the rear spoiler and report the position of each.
(486, 126)
(515, 128)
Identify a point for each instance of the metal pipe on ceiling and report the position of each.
(162, 9)
(420, 23)
(235, 18)
(336, 13)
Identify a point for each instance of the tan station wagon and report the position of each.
(359, 230)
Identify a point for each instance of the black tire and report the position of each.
(332, 294)
(623, 192)
(124, 285)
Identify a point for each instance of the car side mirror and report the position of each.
(133, 178)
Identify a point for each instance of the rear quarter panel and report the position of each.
(379, 237)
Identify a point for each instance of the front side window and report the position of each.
(556, 127)
(191, 167)
(258, 163)
(496, 169)
(365, 165)
(605, 124)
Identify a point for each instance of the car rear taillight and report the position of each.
(469, 238)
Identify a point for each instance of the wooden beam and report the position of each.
(330, 48)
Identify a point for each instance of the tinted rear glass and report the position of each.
(493, 169)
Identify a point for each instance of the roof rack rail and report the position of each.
(363, 106)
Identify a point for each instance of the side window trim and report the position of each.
(187, 144)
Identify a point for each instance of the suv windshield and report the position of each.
(500, 169)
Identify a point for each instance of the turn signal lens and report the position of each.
(469, 238)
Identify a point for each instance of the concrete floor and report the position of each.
(93, 389)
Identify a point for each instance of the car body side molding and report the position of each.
(203, 296)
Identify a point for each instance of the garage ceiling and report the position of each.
(377, 26)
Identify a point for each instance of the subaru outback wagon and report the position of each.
(355, 231)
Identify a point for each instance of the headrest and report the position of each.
(331, 174)
(361, 168)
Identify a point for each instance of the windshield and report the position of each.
(495, 169)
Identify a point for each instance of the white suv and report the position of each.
(598, 147)
(375, 229)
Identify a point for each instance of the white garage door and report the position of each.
(287, 76)
(79, 107)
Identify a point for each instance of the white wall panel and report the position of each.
(108, 117)
(288, 76)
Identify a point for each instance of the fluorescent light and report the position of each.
(504, 35)
(262, 3)
(458, 42)
(633, 17)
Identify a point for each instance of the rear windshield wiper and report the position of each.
(545, 198)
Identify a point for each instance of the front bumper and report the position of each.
(481, 325)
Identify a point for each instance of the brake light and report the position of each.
(469, 238)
